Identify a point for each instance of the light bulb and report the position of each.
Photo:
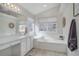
(44, 5)
(15, 7)
(8, 3)
(11, 5)
(18, 9)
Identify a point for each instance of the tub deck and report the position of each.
(51, 44)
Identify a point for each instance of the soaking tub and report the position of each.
(50, 44)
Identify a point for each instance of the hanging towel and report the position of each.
(72, 39)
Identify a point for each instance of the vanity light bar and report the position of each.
(11, 7)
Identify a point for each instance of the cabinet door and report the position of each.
(15, 50)
(24, 46)
(28, 45)
(6, 52)
(31, 42)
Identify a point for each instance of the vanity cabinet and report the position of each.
(23, 46)
(31, 42)
(16, 45)
(26, 45)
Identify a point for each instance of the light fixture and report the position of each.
(45, 5)
(18, 9)
(8, 3)
(15, 7)
(11, 5)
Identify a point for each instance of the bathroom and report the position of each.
(37, 29)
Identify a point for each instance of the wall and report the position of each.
(51, 13)
(4, 25)
(68, 14)
(77, 23)
(67, 10)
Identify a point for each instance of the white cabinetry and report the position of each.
(23, 46)
(26, 45)
(31, 42)
(16, 45)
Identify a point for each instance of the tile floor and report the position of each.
(43, 52)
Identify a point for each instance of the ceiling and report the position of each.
(36, 8)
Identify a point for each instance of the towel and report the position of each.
(72, 39)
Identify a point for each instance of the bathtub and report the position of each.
(50, 44)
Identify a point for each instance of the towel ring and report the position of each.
(11, 25)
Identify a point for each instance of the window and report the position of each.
(47, 24)
(30, 24)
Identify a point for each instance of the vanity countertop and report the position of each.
(11, 38)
